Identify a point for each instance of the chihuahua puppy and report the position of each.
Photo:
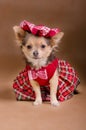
(39, 52)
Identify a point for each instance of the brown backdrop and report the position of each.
(68, 15)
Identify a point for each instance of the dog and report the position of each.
(39, 52)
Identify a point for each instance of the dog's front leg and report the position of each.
(53, 89)
(36, 88)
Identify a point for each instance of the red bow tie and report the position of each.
(42, 74)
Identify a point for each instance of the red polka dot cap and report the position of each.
(39, 30)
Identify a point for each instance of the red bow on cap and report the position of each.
(39, 30)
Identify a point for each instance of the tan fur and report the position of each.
(19, 34)
(35, 43)
(42, 47)
(53, 88)
(56, 39)
(36, 88)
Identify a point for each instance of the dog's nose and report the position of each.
(35, 53)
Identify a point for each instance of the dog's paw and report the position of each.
(37, 102)
(55, 103)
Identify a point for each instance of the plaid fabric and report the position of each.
(39, 30)
(67, 82)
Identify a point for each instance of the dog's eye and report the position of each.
(29, 46)
(43, 46)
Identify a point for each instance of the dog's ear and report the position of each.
(56, 39)
(19, 34)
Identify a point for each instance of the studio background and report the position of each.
(68, 15)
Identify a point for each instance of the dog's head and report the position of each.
(36, 48)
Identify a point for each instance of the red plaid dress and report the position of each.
(67, 81)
